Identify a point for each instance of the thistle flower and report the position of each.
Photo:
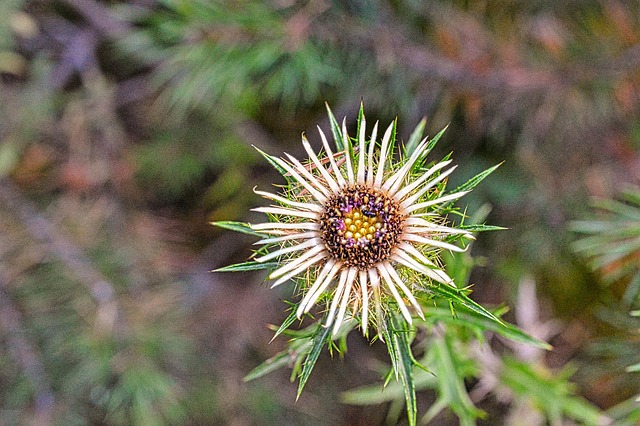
(355, 225)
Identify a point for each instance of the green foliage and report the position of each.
(612, 241)
(396, 333)
(115, 112)
(398, 341)
(94, 372)
(244, 228)
(86, 341)
(232, 56)
(627, 413)
(318, 341)
(247, 266)
(451, 370)
(452, 357)
(303, 352)
(474, 181)
(552, 394)
(178, 161)
(336, 131)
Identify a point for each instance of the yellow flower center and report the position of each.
(361, 225)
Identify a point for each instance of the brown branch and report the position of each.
(100, 18)
(392, 41)
(423, 60)
(24, 354)
(64, 250)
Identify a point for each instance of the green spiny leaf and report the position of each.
(346, 141)
(286, 323)
(415, 138)
(455, 295)
(405, 362)
(481, 228)
(274, 163)
(247, 266)
(245, 228)
(360, 118)
(392, 349)
(436, 138)
(322, 333)
(471, 319)
(335, 129)
(474, 181)
(432, 143)
(551, 392)
(392, 139)
(451, 389)
(280, 360)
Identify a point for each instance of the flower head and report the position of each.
(356, 225)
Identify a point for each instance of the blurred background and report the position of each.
(126, 126)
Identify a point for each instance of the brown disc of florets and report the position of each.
(361, 225)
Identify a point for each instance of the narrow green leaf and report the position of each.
(275, 165)
(349, 146)
(392, 139)
(245, 228)
(415, 138)
(247, 266)
(584, 412)
(405, 361)
(632, 291)
(457, 296)
(388, 376)
(617, 207)
(451, 387)
(392, 349)
(551, 392)
(371, 395)
(376, 394)
(319, 340)
(613, 230)
(481, 228)
(282, 359)
(471, 319)
(432, 143)
(335, 129)
(626, 413)
(632, 195)
(610, 251)
(286, 323)
(474, 181)
(608, 226)
(436, 138)
(360, 118)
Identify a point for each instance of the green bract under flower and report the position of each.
(350, 220)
